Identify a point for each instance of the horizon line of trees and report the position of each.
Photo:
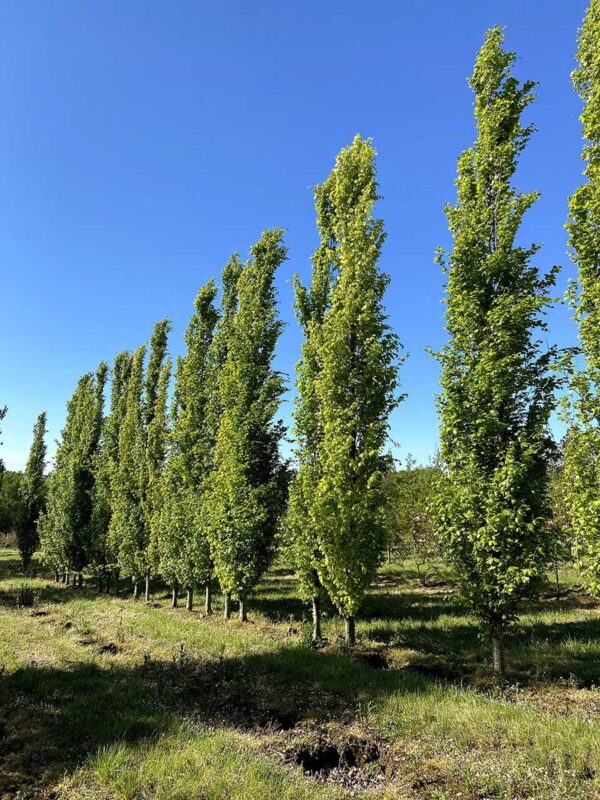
(197, 490)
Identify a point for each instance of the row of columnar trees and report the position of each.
(198, 494)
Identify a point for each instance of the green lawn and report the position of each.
(107, 697)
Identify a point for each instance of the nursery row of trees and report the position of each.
(200, 493)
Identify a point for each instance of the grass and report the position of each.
(107, 697)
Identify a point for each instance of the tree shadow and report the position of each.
(53, 719)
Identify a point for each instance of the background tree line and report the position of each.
(191, 484)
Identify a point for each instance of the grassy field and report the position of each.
(107, 697)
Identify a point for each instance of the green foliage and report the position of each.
(158, 351)
(246, 494)
(355, 387)
(185, 553)
(32, 494)
(10, 483)
(3, 411)
(497, 384)
(67, 527)
(583, 442)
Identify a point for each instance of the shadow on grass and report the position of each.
(53, 719)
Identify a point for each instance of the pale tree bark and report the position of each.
(350, 631)
(316, 619)
(243, 612)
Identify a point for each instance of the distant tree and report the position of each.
(185, 552)
(10, 483)
(3, 411)
(498, 387)
(247, 482)
(583, 442)
(411, 493)
(32, 494)
(560, 528)
(311, 305)
(358, 361)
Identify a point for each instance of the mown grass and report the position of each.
(106, 697)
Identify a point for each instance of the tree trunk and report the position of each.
(189, 599)
(67, 578)
(136, 591)
(56, 578)
(350, 631)
(227, 605)
(147, 587)
(80, 580)
(557, 578)
(174, 594)
(207, 598)
(316, 617)
(243, 610)
(498, 647)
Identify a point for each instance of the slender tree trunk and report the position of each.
(316, 619)
(67, 578)
(189, 599)
(136, 590)
(80, 580)
(389, 555)
(243, 612)
(147, 587)
(498, 647)
(207, 598)
(174, 594)
(350, 631)
(56, 578)
(557, 578)
(227, 605)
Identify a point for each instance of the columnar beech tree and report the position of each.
(106, 551)
(186, 554)
(311, 305)
(497, 384)
(32, 494)
(156, 458)
(582, 463)
(355, 390)
(128, 488)
(247, 481)
(67, 528)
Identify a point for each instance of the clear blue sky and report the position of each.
(142, 142)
